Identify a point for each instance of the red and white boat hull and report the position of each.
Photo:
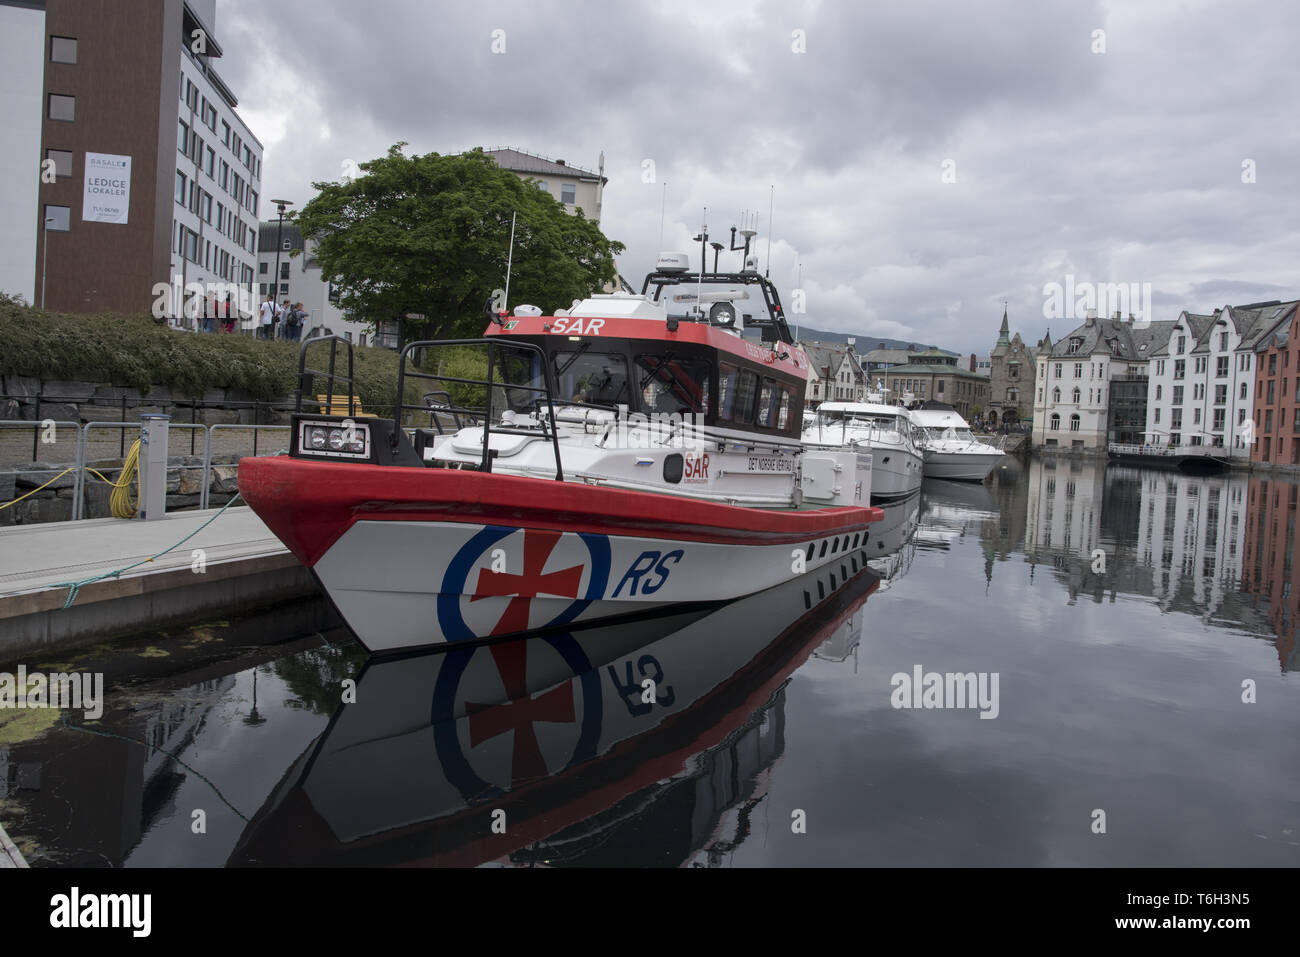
(419, 557)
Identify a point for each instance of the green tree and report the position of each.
(430, 235)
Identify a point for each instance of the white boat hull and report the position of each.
(961, 466)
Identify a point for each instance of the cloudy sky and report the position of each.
(930, 159)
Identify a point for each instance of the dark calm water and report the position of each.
(1140, 626)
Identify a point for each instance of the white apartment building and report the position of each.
(1074, 407)
(217, 194)
(575, 187)
(300, 280)
(1201, 389)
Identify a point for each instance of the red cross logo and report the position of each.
(519, 713)
(522, 589)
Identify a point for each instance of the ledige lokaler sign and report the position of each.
(107, 195)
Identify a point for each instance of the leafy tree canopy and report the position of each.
(430, 235)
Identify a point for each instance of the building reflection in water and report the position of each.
(1269, 559)
(1217, 547)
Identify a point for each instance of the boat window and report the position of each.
(783, 409)
(728, 379)
(766, 396)
(674, 385)
(595, 378)
(746, 390)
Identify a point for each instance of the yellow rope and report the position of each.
(121, 500)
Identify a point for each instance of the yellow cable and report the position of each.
(121, 500)
(38, 488)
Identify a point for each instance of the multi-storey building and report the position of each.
(1072, 394)
(575, 187)
(1269, 560)
(934, 376)
(1274, 437)
(1202, 382)
(153, 179)
(834, 375)
(1012, 373)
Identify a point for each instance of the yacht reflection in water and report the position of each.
(641, 743)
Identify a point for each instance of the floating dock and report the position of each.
(231, 565)
(10, 856)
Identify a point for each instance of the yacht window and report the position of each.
(783, 410)
(595, 378)
(673, 385)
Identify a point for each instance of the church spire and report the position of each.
(1004, 337)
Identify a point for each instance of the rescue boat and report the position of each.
(629, 454)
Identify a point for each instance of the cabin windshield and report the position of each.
(861, 420)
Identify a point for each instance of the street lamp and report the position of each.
(45, 256)
(275, 284)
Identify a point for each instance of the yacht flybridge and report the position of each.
(623, 455)
(884, 431)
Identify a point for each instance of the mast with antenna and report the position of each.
(510, 258)
(767, 273)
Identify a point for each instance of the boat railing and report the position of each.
(494, 380)
(306, 377)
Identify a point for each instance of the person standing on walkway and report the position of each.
(267, 317)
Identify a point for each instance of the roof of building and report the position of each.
(520, 161)
(267, 234)
(1271, 323)
(826, 357)
(1132, 342)
(922, 368)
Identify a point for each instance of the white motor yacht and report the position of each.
(883, 430)
(950, 449)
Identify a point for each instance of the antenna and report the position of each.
(767, 273)
(704, 239)
(510, 258)
(663, 205)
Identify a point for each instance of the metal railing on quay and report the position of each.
(83, 432)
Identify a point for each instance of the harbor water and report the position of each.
(1071, 664)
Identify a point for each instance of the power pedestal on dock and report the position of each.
(153, 466)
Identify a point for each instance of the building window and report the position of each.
(284, 289)
(1221, 366)
(181, 191)
(63, 50)
(62, 161)
(211, 164)
(1076, 395)
(1221, 394)
(63, 107)
(1074, 423)
(1056, 396)
(262, 268)
(1159, 391)
(1056, 422)
(1196, 416)
(284, 270)
(1180, 368)
(1157, 418)
(1178, 395)
(1176, 419)
(1243, 390)
(1182, 344)
(1218, 420)
(61, 216)
(1272, 364)
(568, 194)
(1013, 370)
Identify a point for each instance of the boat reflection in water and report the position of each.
(642, 743)
(890, 545)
